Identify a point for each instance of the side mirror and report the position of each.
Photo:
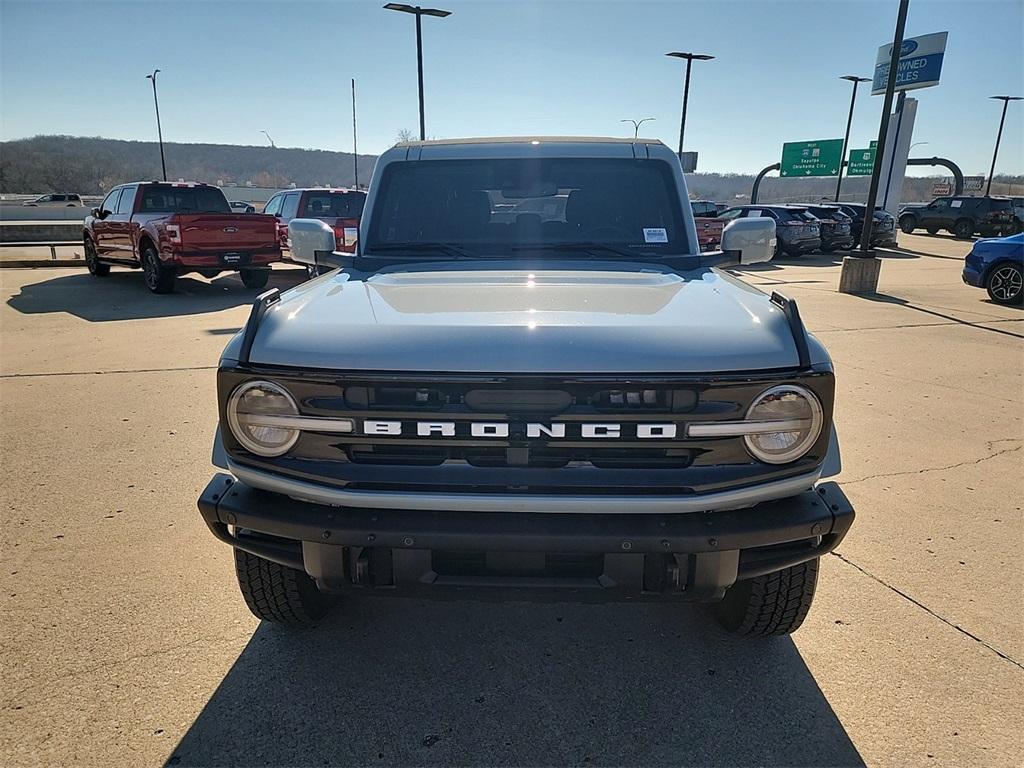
(95, 213)
(312, 241)
(750, 240)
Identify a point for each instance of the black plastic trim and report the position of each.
(796, 327)
(260, 306)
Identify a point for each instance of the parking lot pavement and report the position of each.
(124, 641)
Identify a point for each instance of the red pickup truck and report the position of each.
(709, 226)
(169, 229)
(340, 209)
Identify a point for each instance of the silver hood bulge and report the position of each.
(592, 320)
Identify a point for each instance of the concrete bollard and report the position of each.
(859, 274)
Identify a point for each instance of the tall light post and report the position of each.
(355, 141)
(272, 144)
(849, 121)
(418, 12)
(999, 136)
(159, 131)
(636, 124)
(690, 57)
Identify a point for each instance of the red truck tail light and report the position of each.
(173, 233)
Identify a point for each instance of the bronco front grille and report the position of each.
(421, 432)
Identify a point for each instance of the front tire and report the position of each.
(92, 262)
(773, 604)
(277, 593)
(908, 224)
(963, 229)
(255, 278)
(158, 278)
(1005, 284)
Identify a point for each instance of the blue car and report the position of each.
(997, 265)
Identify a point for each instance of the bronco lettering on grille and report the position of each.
(535, 430)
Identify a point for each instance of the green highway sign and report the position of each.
(811, 158)
(861, 163)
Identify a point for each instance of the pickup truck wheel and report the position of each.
(158, 278)
(773, 604)
(277, 593)
(1005, 284)
(908, 224)
(92, 262)
(255, 278)
(963, 229)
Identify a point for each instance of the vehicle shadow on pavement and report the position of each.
(884, 298)
(123, 296)
(401, 682)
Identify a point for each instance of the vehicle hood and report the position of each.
(571, 320)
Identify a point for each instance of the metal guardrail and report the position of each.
(52, 245)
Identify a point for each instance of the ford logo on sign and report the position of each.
(908, 47)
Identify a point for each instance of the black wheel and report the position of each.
(963, 229)
(908, 223)
(932, 230)
(773, 604)
(158, 278)
(277, 593)
(92, 262)
(255, 278)
(1005, 284)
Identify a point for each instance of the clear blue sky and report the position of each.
(232, 69)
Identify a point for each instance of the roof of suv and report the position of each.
(528, 140)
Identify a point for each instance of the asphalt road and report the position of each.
(124, 641)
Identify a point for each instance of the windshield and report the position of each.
(335, 204)
(499, 206)
(170, 199)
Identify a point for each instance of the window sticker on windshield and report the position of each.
(655, 235)
(956, 203)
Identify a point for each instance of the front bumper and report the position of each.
(973, 277)
(592, 556)
(883, 236)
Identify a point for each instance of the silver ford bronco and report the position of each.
(528, 383)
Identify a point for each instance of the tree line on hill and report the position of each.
(90, 166)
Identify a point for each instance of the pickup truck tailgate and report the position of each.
(220, 232)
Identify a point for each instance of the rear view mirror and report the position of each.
(309, 239)
(750, 240)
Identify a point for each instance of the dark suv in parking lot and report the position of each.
(963, 216)
(797, 231)
(883, 231)
(836, 226)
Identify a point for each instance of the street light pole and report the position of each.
(849, 121)
(690, 57)
(419, 12)
(159, 131)
(355, 142)
(636, 124)
(999, 136)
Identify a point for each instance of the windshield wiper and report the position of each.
(590, 248)
(448, 249)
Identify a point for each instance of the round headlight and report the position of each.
(797, 410)
(257, 414)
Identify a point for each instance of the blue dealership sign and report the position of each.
(919, 67)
